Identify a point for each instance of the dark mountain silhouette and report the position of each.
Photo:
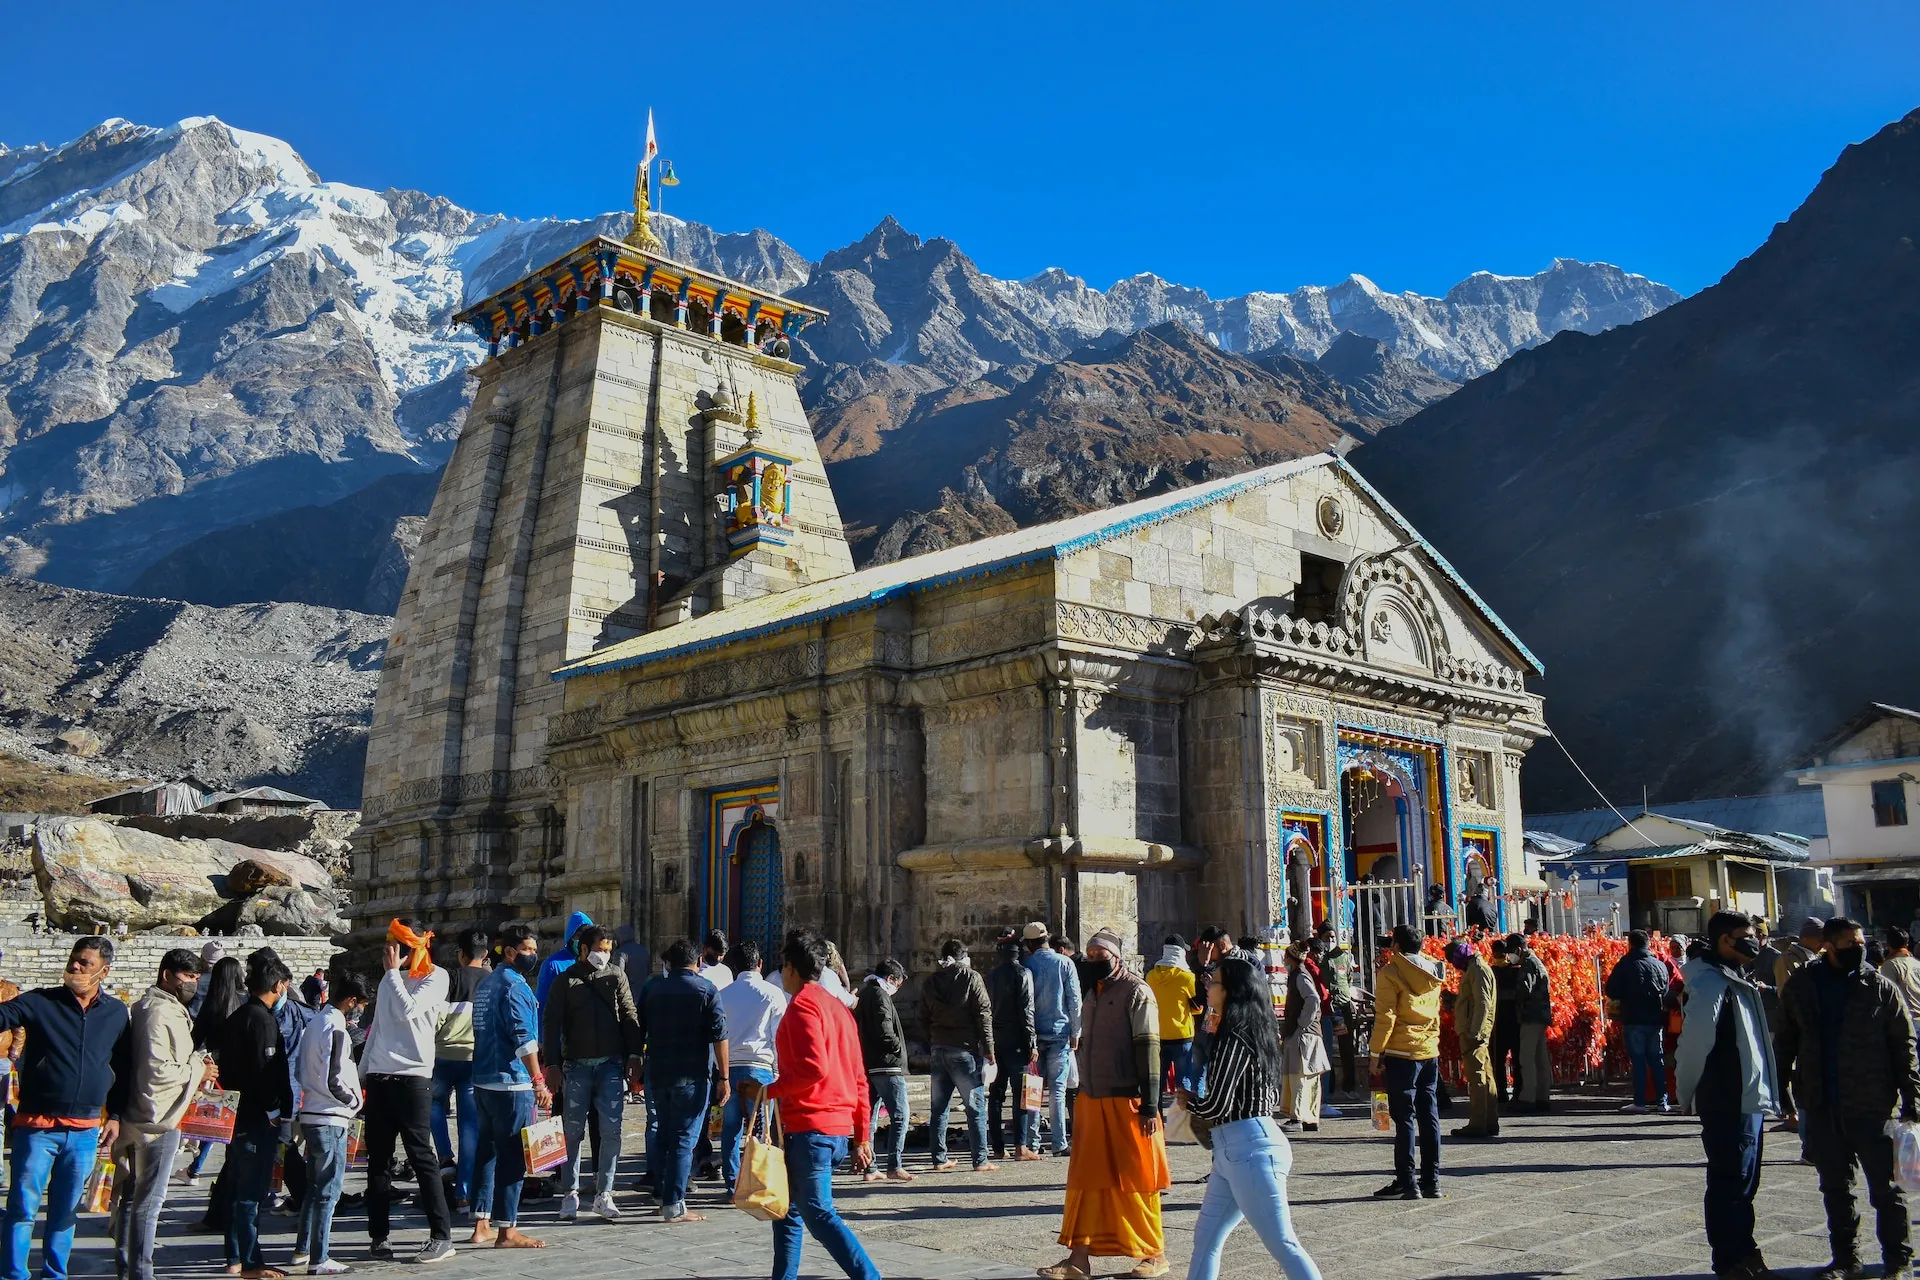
(1704, 523)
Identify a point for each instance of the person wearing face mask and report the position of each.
(1724, 1070)
(253, 1061)
(883, 1052)
(590, 1031)
(1119, 1163)
(167, 1072)
(956, 1021)
(76, 1065)
(1844, 1045)
(507, 1085)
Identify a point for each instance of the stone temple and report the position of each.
(635, 672)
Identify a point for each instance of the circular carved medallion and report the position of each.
(1331, 516)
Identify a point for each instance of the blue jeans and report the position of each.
(1413, 1099)
(889, 1089)
(49, 1164)
(326, 1174)
(201, 1157)
(957, 1070)
(1733, 1142)
(679, 1108)
(1054, 1056)
(1648, 1056)
(1251, 1161)
(499, 1161)
(733, 1119)
(250, 1157)
(453, 1081)
(599, 1087)
(810, 1161)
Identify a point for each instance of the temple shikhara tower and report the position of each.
(635, 672)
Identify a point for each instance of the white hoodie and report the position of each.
(406, 1014)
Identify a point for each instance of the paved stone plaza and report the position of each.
(1582, 1192)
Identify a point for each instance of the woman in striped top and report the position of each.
(1251, 1157)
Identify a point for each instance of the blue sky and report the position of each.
(1232, 147)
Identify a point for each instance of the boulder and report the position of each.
(279, 911)
(78, 741)
(249, 877)
(90, 871)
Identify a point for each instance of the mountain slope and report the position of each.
(191, 312)
(1160, 409)
(1703, 522)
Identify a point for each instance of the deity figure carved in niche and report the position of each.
(740, 480)
(1470, 780)
(1296, 755)
(773, 489)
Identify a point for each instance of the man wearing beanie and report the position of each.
(1172, 983)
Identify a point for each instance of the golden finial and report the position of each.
(642, 237)
(753, 415)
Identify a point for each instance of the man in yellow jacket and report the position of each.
(1406, 1062)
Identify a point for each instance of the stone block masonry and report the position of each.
(38, 959)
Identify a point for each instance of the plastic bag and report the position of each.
(97, 1197)
(989, 1073)
(1180, 1123)
(1072, 1080)
(1906, 1154)
(1382, 1113)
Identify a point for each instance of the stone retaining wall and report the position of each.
(38, 960)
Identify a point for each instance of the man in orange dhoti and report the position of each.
(1119, 1163)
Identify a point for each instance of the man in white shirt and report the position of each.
(397, 1067)
(752, 1008)
(713, 966)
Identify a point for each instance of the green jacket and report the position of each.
(1875, 1048)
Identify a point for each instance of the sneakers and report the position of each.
(302, 1258)
(569, 1206)
(1838, 1270)
(1634, 1109)
(1432, 1193)
(328, 1268)
(1396, 1190)
(380, 1251)
(604, 1206)
(435, 1251)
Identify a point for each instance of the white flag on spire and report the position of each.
(653, 148)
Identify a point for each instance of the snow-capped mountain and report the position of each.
(198, 333)
(1480, 322)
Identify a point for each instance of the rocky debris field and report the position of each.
(273, 693)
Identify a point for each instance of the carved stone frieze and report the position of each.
(1008, 702)
(994, 634)
(1123, 630)
(1385, 721)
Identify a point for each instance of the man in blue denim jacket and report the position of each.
(1056, 1023)
(507, 1085)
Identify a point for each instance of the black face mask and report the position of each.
(1848, 958)
(1747, 948)
(1100, 970)
(526, 964)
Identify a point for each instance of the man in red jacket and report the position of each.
(822, 1092)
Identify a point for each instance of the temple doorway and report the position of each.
(759, 887)
(1374, 803)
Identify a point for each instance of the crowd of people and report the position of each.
(433, 1074)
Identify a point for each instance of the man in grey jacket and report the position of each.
(1010, 988)
(590, 1034)
(1845, 1045)
(1725, 1072)
(167, 1072)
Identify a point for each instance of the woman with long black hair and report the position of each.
(225, 991)
(1251, 1157)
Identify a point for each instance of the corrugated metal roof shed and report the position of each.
(1798, 812)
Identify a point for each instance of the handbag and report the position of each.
(760, 1189)
(211, 1115)
(544, 1143)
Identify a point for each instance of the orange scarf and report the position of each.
(421, 963)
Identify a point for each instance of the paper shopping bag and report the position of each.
(1033, 1092)
(761, 1188)
(544, 1143)
(210, 1116)
(98, 1196)
(357, 1145)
